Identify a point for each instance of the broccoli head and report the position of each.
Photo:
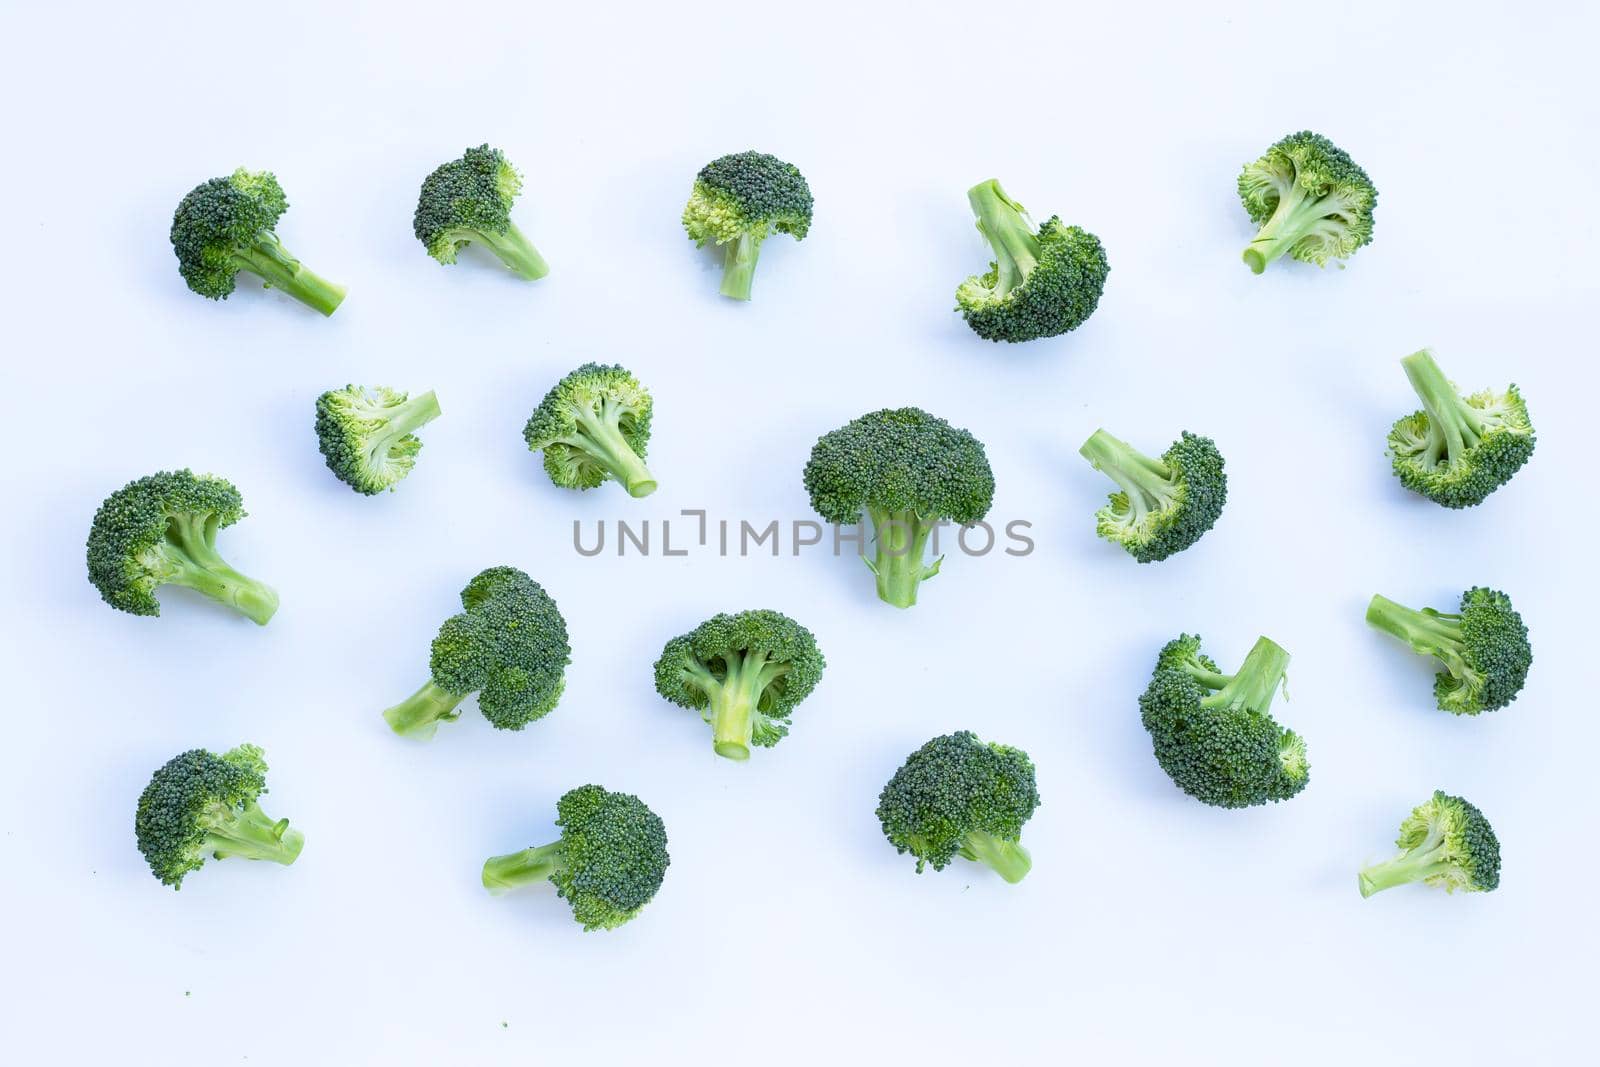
(162, 530)
(1163, 505)
(469, 199)
(199, 804)
(910, 472)
(226, 225)
(1458, 449)
(1446, 843)
(593, 425)
(1213, 733)
(608, 864)
(509, 646)
(1484, 648)
(744, 673)
(1310, 200)
(741, 200)
(366, 434)
(959, 796)
(1043, 281)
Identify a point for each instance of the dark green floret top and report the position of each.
(740, 200)
(469, 200)
(366, 434)
(1458, 449)
(1446, 843)
(1311, 200)
(1162, 506)
(593, 426)
(1484, 647)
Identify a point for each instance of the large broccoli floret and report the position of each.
(741, 200)
(226, 225)
(509, 646)
(1484, 648)
(366, 434)
(910, 472)
(1310, 200)
(199, 804)
(469, 199)
(744, 673)
(608, 864)
(959, 796)
(162, 530)
(1213, 733)
(1043, 281)
(1458, 449)
(593, 425)
(1446, 843)
(1164, 505)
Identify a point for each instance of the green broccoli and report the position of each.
(1484, 648)
(1458, 449)
(509, 646)
(592, 425)
(1213, 733)
(226, 225)
(910, 472)
(199, 804)
(744, 673)
(608, 864)
(1446, 843)
(1044, 280)
(366, 434)
(162, 530)
(469, 199)
(740, 201)
(959, 796)
(1164, 505)
(1310, 200)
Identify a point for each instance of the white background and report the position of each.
(1152, 929)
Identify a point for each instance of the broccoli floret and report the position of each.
(366, 434)
(469, 199)
(910, 472)
(199, 804)
(1458, 449)
(1043, 280)
(1164, 505)
(1213, 733)
(741, 200)
(509, 646)
(1310, 200)
(1445, 842)
(226, 225)
(162, 530)
(744, 673)
(1484, 648)
(609, 862)
(592, 425)
(959, 796)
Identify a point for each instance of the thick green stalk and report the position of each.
(739, 266)
(1291, 220)
(902, 540)
(416, 412)
(1414, 866)
(272, 263)
(601, 437)
(1257, 681)
(1426, 631)
(193, 562)
(516, 869)
(253, 835)
(1146, 482)
(1453, 426)
(1008, 858)
(1010, 232)
(736, 700)
(515, 251)
(420, 714)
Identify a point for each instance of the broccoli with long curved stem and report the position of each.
(739, 201)
(1484, 647)
(367, 437)
(1310, 199)
(1458, 449)
(1445, 843)
(592, 426)
(468, 200)
(1163, 505)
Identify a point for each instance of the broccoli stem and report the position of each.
(1291, 220)
(516, 869)
(251, 834)
(420, 714)
(902, 539)
(516, 252)
(1257, 681)
(1010, 232)
(271, 262)
(1147, 483)
(1416, 865)
(1453, 426)
(1008, 858)
(601, 437)
(739, 266)
(735, 700)
(1427, 631)
(194, 563)
(416, 412)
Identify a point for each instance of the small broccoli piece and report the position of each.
(910, 472)
(469, 199)
(1310, 200)
(162, 530)
(959, 796)
(1445, 842)
(608, 864)
(744, 673)
(226, 225)
(1458, 449)
(1484, 649)
(1213, 733)
(1164, 505)
(199, 804)
(592, 425)
(366, 434)
(509, 646)
(740, 201)
(1043, 281)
